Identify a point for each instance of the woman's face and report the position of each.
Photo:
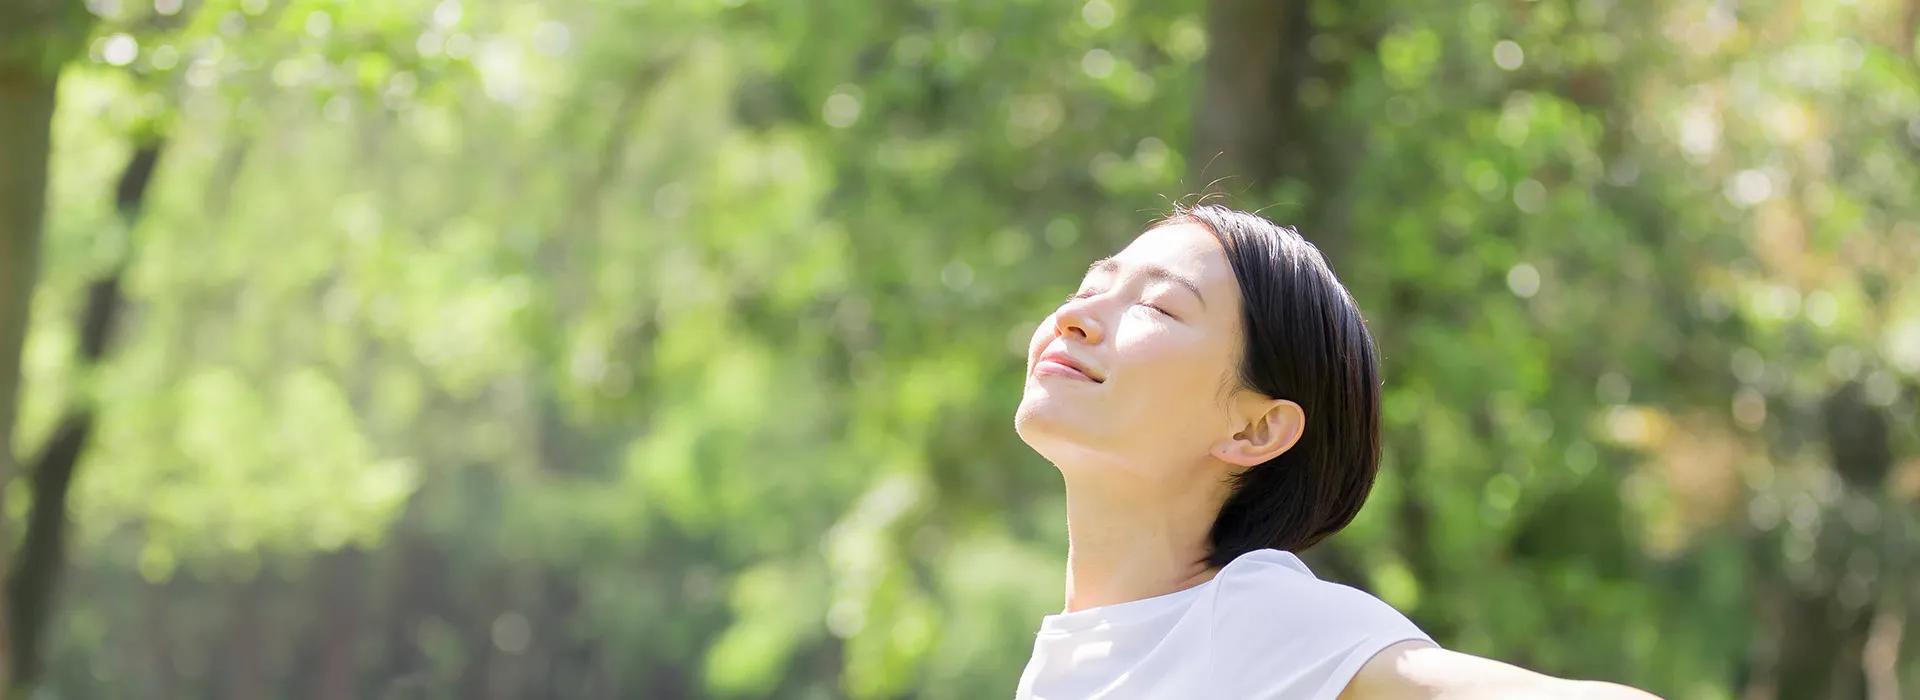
(1131, 372)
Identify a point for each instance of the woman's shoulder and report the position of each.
(1280, 631)
(1272, 593)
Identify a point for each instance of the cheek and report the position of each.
(1167, 402)
(1182, 366)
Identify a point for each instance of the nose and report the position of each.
(1076, 320)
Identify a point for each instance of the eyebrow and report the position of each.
(1151, 271)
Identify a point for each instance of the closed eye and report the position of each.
(1076, 296)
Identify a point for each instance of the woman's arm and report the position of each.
(1421, 671)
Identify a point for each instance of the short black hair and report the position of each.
(1306, 342)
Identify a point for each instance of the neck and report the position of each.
(1124, 546)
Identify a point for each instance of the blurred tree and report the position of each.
(36, 39)
(599, 349)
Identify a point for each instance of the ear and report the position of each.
(1273, 428)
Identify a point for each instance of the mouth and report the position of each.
(1060, 364)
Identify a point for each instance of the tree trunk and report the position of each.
(1250, 76)
(157, 645)
(244, 662)
(26, 127)
(1825, 640)
(1821, 649)
(337, 632)
(32, 586)
(1251, 131)
(36, 38)
(418, 581)
(489, 674)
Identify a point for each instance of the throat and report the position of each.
(1122, 554)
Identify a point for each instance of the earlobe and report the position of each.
(1267, 435)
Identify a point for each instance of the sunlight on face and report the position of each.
(1128, 374)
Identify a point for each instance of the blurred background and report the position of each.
(669, 348)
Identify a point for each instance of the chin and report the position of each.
(1050, 427)
(1030, 419)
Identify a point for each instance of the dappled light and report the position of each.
(597, 349)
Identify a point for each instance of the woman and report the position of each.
(1211, 397)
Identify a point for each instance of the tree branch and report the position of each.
(43, 550)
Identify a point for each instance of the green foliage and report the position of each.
(609, 349)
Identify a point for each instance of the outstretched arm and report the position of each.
(1421, 671)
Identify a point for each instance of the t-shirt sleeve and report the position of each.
(1283, 635)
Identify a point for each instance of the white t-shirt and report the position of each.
(1264, 628)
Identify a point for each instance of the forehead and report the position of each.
(1185, 248)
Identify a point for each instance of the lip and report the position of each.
(1059, 363)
